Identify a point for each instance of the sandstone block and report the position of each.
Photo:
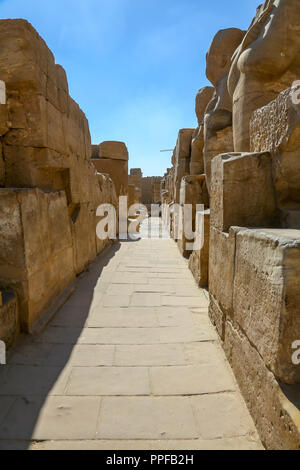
(266, 295)
(242, 192)
(199, 259)
(84, 236)
(36, 249)
(275, 415)
(28, 67)
(221, 260)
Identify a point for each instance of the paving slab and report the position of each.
(145, 299)
(75, 417)
(131, 361)
(222, 415)
(124, 318)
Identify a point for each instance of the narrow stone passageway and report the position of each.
(131, 361)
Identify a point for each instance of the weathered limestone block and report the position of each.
(156, 192)
(77, 134)
(242, 191)
(107, 196)
(276, 128)
(40, 113)
(266, 295)
(193, 190)
(83, 184)
(199, 259)
(36, 255)
(218, 137)
(219, 142)
(111, 150)
(9, 318)
(183, 146)
(275, 411)
(27, 65)
(28, 69)
(203, 97)
(266, 63)
(131, 195)
(33, 167)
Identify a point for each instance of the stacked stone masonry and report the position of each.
(147, 189)
(49, 187)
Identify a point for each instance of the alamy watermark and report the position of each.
(185, 222)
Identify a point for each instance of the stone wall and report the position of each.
(246, 148)
(112, 158)
(135, 177)
(49, 188)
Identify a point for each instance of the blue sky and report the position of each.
(134, 66)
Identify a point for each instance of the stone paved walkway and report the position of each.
(130, 362)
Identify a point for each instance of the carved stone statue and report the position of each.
(266, 63)
(218, 115)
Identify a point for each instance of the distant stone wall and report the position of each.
(9, 318)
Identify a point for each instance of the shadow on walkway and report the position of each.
(38, 365)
